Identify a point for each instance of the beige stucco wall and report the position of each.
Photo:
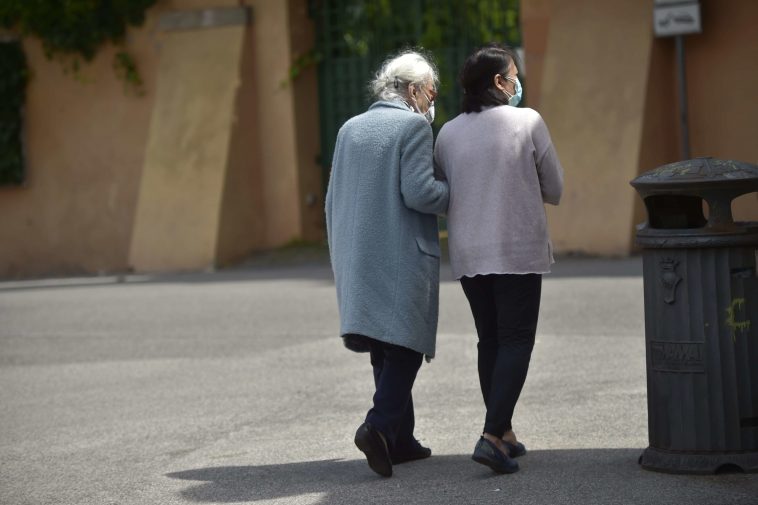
(276, 116)
(535, 28)
(722, 79)
(242, 219)
(720, 89)
(84, 139)
(608, 91)
(660, 142)
(237, 108)
(592, 98)
(217, 159)
(187, 155)
(306, 121)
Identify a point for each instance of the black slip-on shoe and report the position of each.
(515, 450)
(372, 444)
(409, 452)
(488, 454)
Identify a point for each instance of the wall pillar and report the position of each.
(593, 95)
(187, 156)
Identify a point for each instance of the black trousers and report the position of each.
(505, 309)
(395, 370)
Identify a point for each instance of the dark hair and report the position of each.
(477, 75)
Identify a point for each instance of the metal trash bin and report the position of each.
(701, 317)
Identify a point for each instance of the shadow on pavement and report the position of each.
(312, 272)
(318, 270)
(572, 266)
(578, 266)
(586, 476)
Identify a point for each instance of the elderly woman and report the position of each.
(502, 169)
(381, 207)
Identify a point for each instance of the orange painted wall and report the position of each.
(85, 145)
(86, 142)
(721, 80)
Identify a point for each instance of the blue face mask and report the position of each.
(515, 99)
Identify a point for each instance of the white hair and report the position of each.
(397, 73)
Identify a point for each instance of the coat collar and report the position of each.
(391, 104)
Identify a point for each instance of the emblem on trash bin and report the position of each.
(677, 356)
(670, 279)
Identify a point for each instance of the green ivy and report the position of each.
(70, 30)
(75, 29)
(13, 77)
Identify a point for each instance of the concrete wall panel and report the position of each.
(242, 221)
(593, 96)
(176, 224)
(276, 115)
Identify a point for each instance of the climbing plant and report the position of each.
(13, 77)
(74, 30)
(71, 31)
(378, 25)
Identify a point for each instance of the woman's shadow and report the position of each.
(342, 481)
(572, 476)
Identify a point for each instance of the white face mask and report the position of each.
(429, 114)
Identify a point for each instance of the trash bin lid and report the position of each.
(674, 197)
(699, 174)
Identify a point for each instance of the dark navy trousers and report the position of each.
(505, 309)
(395, 370)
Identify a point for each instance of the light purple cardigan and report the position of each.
(502, 167)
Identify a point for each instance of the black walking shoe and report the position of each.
(488, 454)
(515, 450)
(409, 452)
(372, 444)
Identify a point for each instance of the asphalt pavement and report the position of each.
(233, 387)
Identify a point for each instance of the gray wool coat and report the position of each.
(381, 222)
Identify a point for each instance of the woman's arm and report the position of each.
(549, 169)
(419, 188)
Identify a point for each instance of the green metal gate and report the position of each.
(355, 36)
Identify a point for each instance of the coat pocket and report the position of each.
(428, 247)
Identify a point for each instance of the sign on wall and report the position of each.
(676, 17)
